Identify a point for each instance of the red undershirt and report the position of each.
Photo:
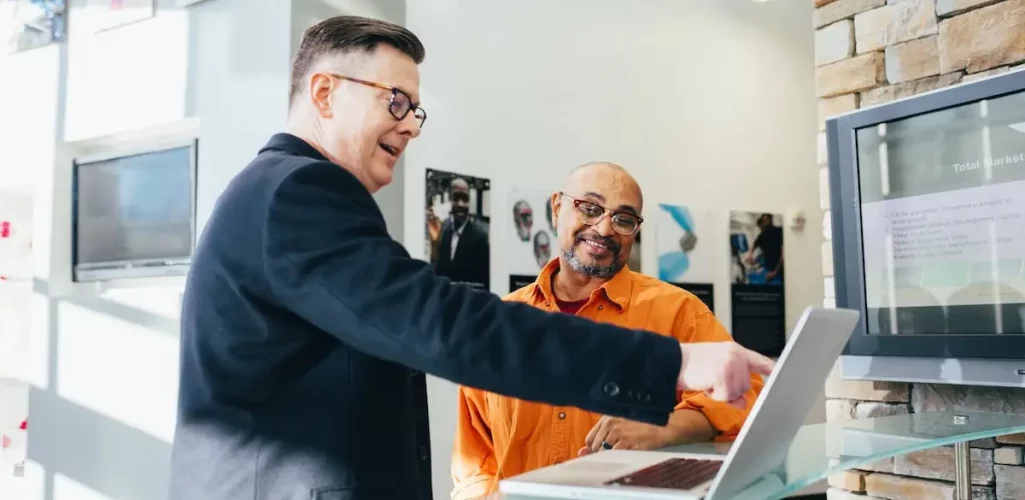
(567, 307)
(570, 307)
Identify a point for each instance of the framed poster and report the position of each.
(757, 291)
(456, 227)
(28, 24)
(684, 253)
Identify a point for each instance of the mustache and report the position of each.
(607, 242)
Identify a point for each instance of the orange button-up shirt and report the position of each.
(498, 436)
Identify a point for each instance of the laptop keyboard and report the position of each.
(675, 473)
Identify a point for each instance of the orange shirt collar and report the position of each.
(617, 290)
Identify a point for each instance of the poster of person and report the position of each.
(532, 239)
(456, 227)
(683, 251)
(756, 248)
(757, 276)
(28, 24)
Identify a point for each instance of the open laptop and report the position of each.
(761, 446)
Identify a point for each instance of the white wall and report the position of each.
(704, 101)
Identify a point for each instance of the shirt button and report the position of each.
(562, 415)
(423, 453)
(645, 398)
(611, 388)
(601, 307)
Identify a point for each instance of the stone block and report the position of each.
(874, 409)
(834, 42)
(827, 225)
(1012, 439)
(865, 390)
(894, 23)
(885, 466)
(1008, 455)
(987, 443)
(842, 9)
(838, 494)
(907, 488)
(850, 75)
(985, 74)
(824, 197)
(1010, 482)
(829, 303)
(821, 152)
(839, 410)
(850, 480)
(913, 60)
(938, 463)
(947, 8)
(829, 287)
(984, 38)
(827, 258)
(928, 397)
(833, 106)
(907, 89)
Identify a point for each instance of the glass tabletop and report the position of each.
(821, 450)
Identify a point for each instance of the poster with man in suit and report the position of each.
(457, 221)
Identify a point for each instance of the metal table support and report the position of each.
(962, 466)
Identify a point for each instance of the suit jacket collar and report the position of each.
(292, 144)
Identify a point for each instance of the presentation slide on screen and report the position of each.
(959, 247)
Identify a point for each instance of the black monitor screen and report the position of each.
(134, 209)
(943, 220)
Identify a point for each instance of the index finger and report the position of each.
(593, 432)
(760, 364)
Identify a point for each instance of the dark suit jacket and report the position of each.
(472, 261)
(305, 328)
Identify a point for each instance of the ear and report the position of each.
(321, 87)
(555, 199)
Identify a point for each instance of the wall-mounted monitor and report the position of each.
(929, 234)
(133, 213)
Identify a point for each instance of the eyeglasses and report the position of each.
(624, 223)
(399, 106)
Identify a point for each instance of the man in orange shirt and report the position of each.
(597, 215)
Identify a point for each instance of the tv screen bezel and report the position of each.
(846, 221)
(175, 267)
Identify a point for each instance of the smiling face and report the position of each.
(596, 250)
(459, 198)
(358, 128)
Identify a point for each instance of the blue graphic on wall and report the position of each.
(675, 261)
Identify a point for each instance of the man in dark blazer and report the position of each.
(306, 329)
(464, 254)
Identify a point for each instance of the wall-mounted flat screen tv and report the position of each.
(134, 214)
(929, 232)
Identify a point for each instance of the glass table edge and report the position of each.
(794, 486)
(852, 462)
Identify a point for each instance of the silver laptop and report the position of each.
(760, 448)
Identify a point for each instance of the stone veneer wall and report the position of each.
(872, 51)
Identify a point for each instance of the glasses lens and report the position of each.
(399, 105)
(624, 224)
(589, 212)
